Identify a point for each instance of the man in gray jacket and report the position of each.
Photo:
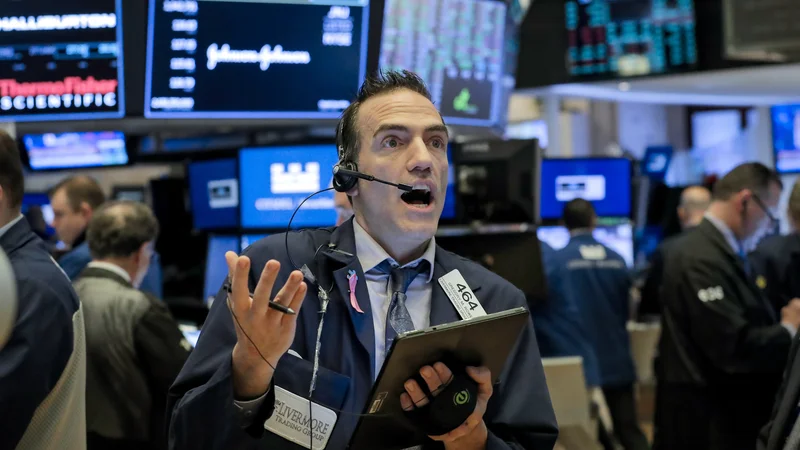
(135, 349)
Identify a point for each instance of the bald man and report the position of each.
(691, 209)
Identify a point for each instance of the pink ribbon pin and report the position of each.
(352, 278)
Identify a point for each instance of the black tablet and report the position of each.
(481, 341)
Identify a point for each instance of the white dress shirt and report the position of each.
(111, 268)
(418, 297)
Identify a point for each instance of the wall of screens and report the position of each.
(61, 60)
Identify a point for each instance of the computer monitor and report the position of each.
(254, 59)
(617, 237)
(275, 180)
(458, 48)
(250, 239)
(33, 201)
(605, 182)
(57, 151)
(786, 138)
(216, 266)
(61, 60)
(214, 193)
(655, 162)
(515, 256)
(129, 193)
(450, 209)
(497, 180)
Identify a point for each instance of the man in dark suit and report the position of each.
(693, 204)
(776, 260)
(722, 348)
(135, 349)
(782, 432)
(245, 365)
(43, 364)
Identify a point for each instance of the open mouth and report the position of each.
(419, 197)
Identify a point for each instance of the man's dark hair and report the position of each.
(753, 176)
(379, 83)
(119, 228)
(79, 189)
(794, 202)
(578, 213)
(11, 178)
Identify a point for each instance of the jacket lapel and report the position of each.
(442, 309)
(341, 254)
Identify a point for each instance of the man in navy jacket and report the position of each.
(43, 365)
(227, 392)
(594, 281)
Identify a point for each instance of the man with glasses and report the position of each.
(722, 347)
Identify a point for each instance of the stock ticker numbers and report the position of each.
(235, 59)
(456, 46)
(629, 37)
(60, 60)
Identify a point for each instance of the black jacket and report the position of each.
(719, 334)
(651, 291)
(135, 351)
(784, 412)
(776, 265)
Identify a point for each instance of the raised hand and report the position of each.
(263, 334)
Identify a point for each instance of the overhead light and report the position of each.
(624, 86)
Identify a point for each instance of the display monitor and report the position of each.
(655, 162)
(61, 60)
(616, 237)
(457, 47)
(216, 266)
(449, 210)
(41, 201)
(622, 38)
(274, 180)
(129, 193)
(51, 151)
(786, 137)
(214, 193)
(254, 58)
(605, 182)
(250, 239)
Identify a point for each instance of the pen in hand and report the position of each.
(276, 306)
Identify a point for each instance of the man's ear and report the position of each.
(86, 210)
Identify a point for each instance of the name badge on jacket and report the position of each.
(292, 422)
(461, 295)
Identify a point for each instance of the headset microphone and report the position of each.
(339, 172)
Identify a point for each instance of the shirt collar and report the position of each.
(726, 231)
(370, 253)
(111, 268)
(8, 226)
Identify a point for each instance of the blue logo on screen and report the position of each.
(275, 180)
(214, 192)
(606, 182)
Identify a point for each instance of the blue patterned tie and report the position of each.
(745, 262)
(399, 320)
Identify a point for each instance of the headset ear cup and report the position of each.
(345, 183)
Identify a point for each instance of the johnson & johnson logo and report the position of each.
(264, 57)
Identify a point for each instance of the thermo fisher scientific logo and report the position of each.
(265, 57)
(71, 92)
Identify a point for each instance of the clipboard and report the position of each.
(482, 341)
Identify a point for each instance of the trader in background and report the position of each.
(722, 348)
(74, 201)
(43, 365)
(776, 260)
(135, 349)
(595, 282)
(380, 270)
(693, 205)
